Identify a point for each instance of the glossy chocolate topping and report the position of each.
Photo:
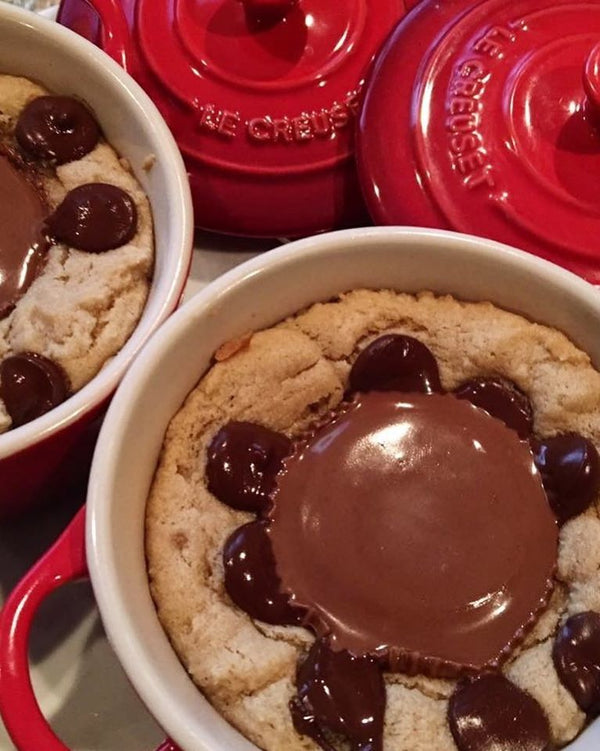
(501, 399)
(406, 524)
(251, 578)
(342, 694)
(395, 363)
(56, 128)
(570, 470)
(30, 385)
(243, 459)
(576, 657)
(94, 217)
(22, 242)
(492, 714)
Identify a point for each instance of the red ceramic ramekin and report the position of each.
(256, 294)
(34, 458)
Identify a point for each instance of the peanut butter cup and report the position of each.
(94, 217)
(23, 244)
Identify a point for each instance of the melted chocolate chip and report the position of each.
(22, 243)
(243, 459)
(395, 363)
(492, 713)
(576, 658)
(500, 399)
(94, 217)
(570, 470)
(342, 694)
(251, 578)
(56, 128)
(31, 385)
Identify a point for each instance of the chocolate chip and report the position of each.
(490, 712)
(57, 128)
(395, 363)
(501, 399)
(251, 578)
(342, 694)
(570, 470)
(94, 217)
(31, 385)
(576, 656)
(243, 459)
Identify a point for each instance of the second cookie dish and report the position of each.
(71, 119)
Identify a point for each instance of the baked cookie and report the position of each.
(76, 251)
(375, 525)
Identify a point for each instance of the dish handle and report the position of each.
(112, 34)
(63, 563)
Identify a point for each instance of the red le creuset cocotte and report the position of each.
(493, 128)
(261, 96)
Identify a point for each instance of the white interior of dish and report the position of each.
(254, 295)
(62, 61)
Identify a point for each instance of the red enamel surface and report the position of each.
(489, 129)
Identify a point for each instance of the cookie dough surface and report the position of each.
(284, 378)
(83, 307)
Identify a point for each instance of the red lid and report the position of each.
(261, 96)
(493, 128)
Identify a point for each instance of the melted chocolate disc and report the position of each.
(570, 470)
(395, 363)
(576, 658)
(342, 694)
(30, 386)
(492, 714)
(22, 243)
(502, 400)
(56, 128)
(243, 459)
(251, 578)
(404, 527)
(94, 217)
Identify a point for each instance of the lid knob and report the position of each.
(267, 11)
(591, 79)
